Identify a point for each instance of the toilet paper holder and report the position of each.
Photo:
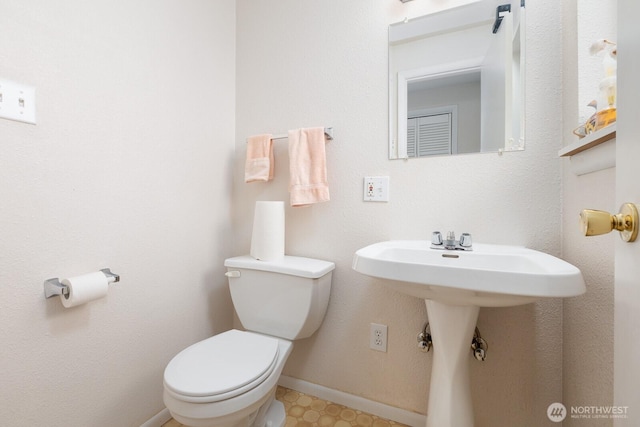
(53, 287)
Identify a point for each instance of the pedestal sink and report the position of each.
(454, 285)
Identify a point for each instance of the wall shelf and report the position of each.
(592, 153)
(589, 141)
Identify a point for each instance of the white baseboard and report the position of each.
(355, 402)
(352, 401)
(158, 419)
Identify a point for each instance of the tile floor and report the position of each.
(304, 410)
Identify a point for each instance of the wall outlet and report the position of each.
(376, 189)
(378, 337)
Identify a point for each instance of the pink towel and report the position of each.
(307, 167)
(260, 161)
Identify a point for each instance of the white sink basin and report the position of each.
(454, 285)
(487, 276)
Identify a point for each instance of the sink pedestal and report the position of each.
(455, 284)
(452, 328)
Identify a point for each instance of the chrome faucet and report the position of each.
(450, 242)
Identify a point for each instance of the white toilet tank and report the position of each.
(286, 299)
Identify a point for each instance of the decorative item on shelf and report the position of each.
(606, 114)
(601, 119)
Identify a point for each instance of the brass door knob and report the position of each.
(593, 222)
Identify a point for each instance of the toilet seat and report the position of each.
(221, 367)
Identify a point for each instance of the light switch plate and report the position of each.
(17, 102)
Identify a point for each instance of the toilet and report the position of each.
(230, 379)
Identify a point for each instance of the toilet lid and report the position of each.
(222, 366)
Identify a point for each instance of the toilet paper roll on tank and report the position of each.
(267, 238)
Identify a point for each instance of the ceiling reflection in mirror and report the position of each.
(455, 85)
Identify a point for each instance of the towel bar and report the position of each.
(328, 133)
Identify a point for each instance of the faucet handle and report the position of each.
(436, 238)
(465, 240)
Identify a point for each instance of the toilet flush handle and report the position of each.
(232, 273)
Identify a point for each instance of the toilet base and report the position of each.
(271, 413)
(276, 416)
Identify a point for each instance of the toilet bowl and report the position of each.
(230, 379)
(244, 368)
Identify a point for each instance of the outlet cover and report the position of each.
(378, 337)
(376, 189)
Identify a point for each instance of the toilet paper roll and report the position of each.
(85, 288)
(267, 239)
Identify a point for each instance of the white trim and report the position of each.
(355, 402)
(158, 419)
(403, 96)
(439, 71)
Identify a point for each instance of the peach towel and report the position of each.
(307, 167)
(260, 161)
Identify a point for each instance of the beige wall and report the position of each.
(306, 63)
(129, 167)
(132, 166)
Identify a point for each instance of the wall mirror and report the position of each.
(456, 81)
